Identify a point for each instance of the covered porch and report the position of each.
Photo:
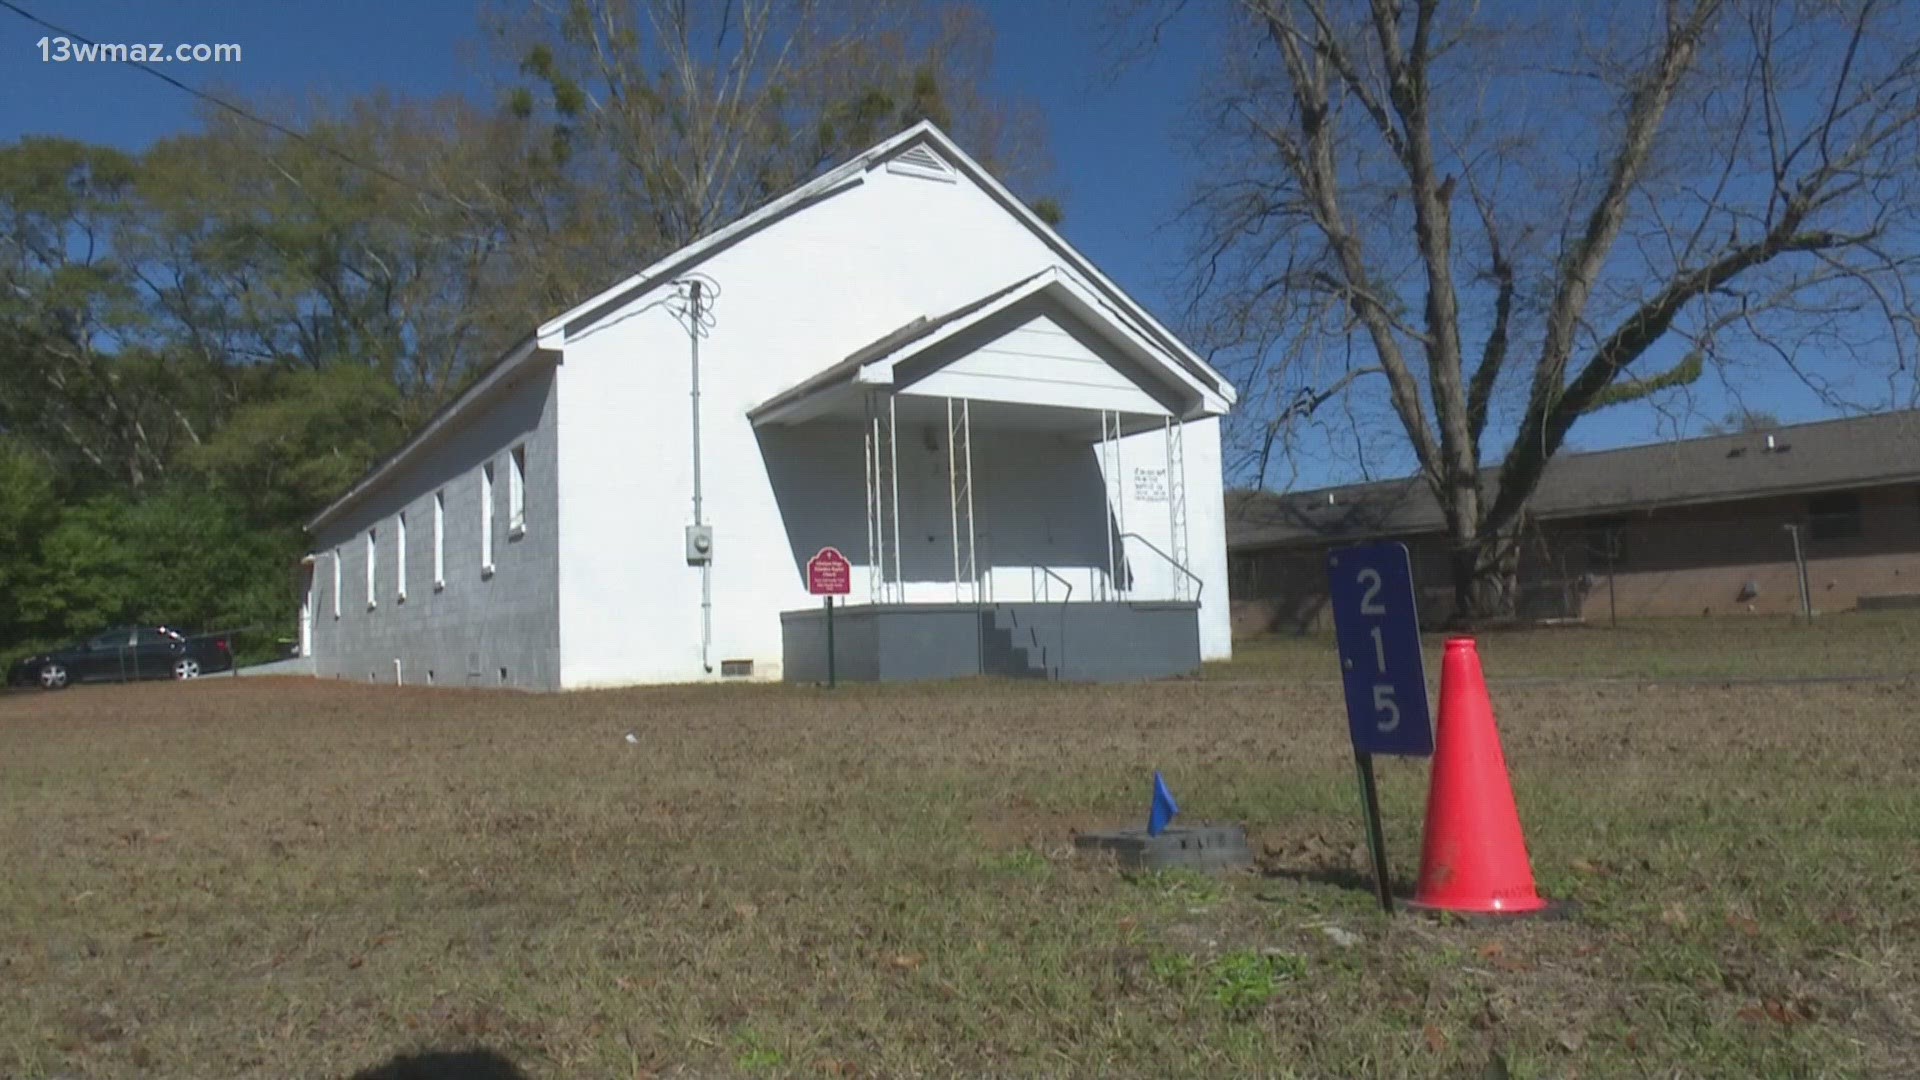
(1021, 477)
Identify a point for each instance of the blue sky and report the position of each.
(1114, 140)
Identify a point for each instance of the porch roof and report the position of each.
(877, 365)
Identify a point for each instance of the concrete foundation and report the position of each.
(1094, 642)
(1194, 847)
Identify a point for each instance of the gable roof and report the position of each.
(875, 363)
(848, 368)
(1827, 455)
(921, 136)
(551, 336)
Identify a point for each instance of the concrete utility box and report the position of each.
(1193, 847)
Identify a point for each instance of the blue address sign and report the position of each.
(1378, 634)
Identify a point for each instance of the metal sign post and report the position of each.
(1377, 630)
(829, 574)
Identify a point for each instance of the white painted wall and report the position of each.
(1041, 362)
(795, 298)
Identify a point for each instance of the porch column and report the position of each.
(960, 494)
(1177, 503)
(883, 488)
(893, 478)
(1112, 465)
(876, 538)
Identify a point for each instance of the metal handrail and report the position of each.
(1049, 571)
(1199, 583)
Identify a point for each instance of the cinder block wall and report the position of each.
(499, 629)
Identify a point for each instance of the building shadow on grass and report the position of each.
(473, 1064)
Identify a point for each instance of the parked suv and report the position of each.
(124, 654)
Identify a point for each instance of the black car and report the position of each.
(124, 654)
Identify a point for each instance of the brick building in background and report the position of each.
(1696, 527)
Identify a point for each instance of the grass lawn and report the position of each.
(1848, 643)
(292, 879)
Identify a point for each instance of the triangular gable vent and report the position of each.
(920, 160)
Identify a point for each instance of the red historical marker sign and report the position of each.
(829, 573)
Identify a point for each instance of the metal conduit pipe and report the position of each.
(699, 537)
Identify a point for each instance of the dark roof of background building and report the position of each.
(1825, 455)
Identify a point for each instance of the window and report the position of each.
(156, 636)
(439, 540)
(1835, 517)
(517, 492)
(486, 518)
(336, 582)
(400, 557)
(373, 554)
(111, 640)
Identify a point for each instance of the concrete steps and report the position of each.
(1011, 645)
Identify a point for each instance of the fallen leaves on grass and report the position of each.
(1786, 1014)
(1436, 1039)
(1344, 938)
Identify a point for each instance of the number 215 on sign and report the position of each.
(1378, 633)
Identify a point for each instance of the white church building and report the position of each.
(897, 360)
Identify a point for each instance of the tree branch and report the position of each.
(1494, 354)
(1311, 162)
(1646, 108)
(1544, 430)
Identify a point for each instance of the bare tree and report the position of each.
(691, 112)
(1470, 215)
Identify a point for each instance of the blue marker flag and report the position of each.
(1163, 807)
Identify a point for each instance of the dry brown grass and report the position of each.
(1847, 643)
(284, 878)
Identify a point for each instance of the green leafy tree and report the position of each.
(179, 557)
(28, 508)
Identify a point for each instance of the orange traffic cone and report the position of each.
(1474, 858)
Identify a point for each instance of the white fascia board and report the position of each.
(882, 368)
(1013, 205)
(1098, 312)
(448, 416)
(1089, 307)
(849, 175)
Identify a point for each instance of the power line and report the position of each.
(232, 108)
